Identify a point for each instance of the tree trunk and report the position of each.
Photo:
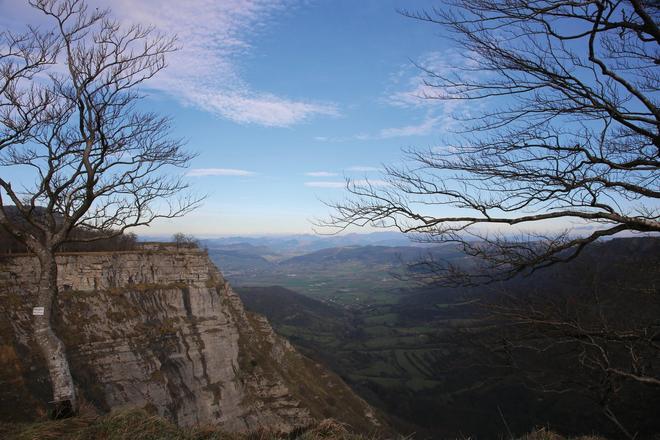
(52, 348)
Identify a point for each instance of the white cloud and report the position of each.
(342, 184)
(200, 172)
(413, 88)
(417, 89)
(335, 138)
(371, 182)
(320, 174)
(362, 169)
(425, 127)
(445, 149)
(428, 126)
(326, 184)
(264, 109)
(205, 72)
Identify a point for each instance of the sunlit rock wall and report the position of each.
(160, 328)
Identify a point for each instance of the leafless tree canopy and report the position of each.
(589, 329)
(68, 117)
(571, 131)
(185, 240)
(76, 152)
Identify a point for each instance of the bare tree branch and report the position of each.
(571, 132)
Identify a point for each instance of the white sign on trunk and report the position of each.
(38, 311)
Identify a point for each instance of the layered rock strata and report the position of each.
(160, 328)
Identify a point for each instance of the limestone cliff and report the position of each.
(160, 328)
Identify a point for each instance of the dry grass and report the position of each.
(544, 434)
(139, 425)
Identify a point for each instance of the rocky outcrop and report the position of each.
(160, 328)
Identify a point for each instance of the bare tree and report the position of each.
(86, 158)
(563, 127)
(185, 240)
(589, 329)
(571, 133)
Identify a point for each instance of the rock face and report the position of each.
(160, 328)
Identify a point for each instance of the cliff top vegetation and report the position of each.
(138, 424)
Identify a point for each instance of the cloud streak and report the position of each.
(342, 184)
(413, 87)
(205, 73)
(325, 184)
(362, 169)
(418, 88)
(427, 126)
(320, 174)
(263, 109)
(201, 172)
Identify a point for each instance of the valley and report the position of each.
(401, 346)
(352, 276)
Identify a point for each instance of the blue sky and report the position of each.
(283, 99)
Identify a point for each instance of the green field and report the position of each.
(350, 284)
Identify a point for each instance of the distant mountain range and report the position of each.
(372, 254)
(293, 245)
(247, 263)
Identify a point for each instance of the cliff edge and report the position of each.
(160, 329)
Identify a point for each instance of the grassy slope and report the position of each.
(139, 425)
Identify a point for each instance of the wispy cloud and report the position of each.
(362, 169)
(342, 184)
(335, 138)
(205, 73)
(429, 125)
(424, 128)
(445, 149)
(413, 86)
(326, 184)
(200, 172)
(320, 174)
(370, 182)
(263, 109)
